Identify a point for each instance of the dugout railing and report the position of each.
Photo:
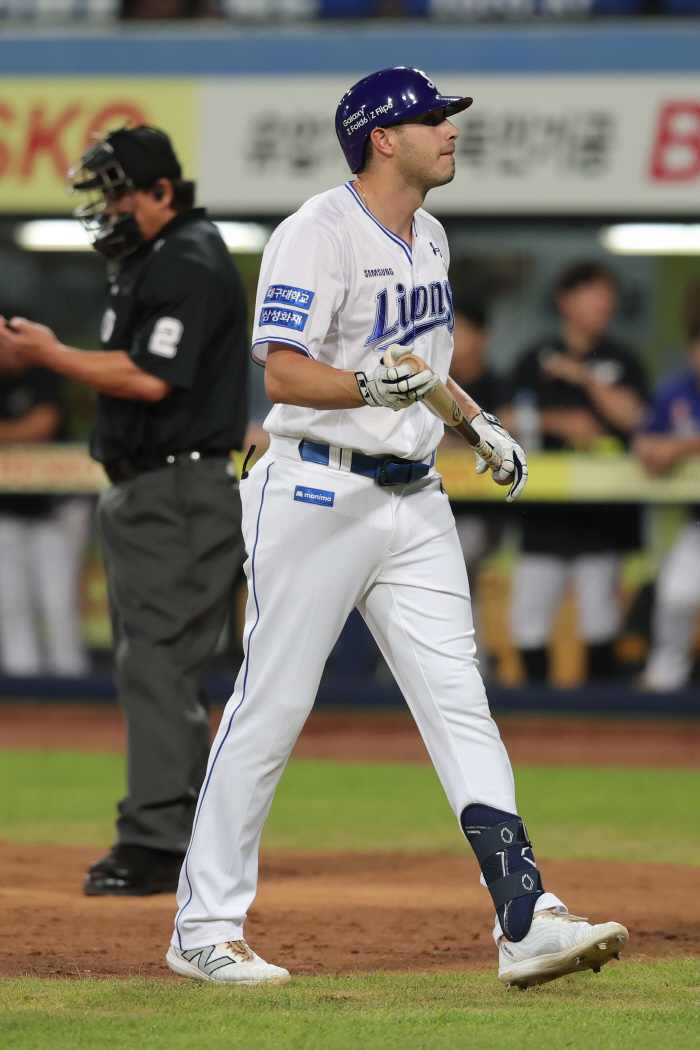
(351, 681)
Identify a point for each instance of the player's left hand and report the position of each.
(395, 387)
(23, 342)
(512, 455)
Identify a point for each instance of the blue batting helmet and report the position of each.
(385, 97)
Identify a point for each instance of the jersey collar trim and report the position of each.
(393, 236)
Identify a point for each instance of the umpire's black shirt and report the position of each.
(178, 308)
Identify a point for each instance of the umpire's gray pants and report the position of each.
(173, 549)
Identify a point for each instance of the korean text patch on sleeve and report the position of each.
(274, 315)
(288, 295)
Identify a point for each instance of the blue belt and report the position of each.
(385, 470)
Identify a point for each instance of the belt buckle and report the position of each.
(381, 476)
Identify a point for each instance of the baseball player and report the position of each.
(583, 387)
(346, 510)
(672, 433)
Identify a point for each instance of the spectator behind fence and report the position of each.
(42, 540)
(587, 391)
(478, 528)
(671, 433)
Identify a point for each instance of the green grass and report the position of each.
(59, 796)
(632, 814)
(633, 1005)
(628, 814)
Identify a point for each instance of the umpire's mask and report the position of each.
(110, 171)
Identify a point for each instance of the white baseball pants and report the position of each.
(538, 584)
(675, 613)
(393, 553)
(40, 563)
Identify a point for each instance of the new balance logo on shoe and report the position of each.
(207, 960)
(232, 962)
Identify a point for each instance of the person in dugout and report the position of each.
(587, 392)
(480, 525)
(670, 434)
(172, 382)
(42, 540)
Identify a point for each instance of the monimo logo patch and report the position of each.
(318, 496)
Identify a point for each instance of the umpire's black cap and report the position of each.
(144, 154)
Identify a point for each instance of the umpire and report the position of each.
(172, 405)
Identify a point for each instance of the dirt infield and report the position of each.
(389, 737)
(319, 913)
(343, 912)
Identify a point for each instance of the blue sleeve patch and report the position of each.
(321, 497)
(283, 318)
(289, 296)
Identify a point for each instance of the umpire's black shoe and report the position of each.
(134, 871)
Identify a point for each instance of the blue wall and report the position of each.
(220, 50)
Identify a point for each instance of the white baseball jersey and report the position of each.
(338, 286)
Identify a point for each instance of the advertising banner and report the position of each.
(529, 144)
(47, 123)
(589, 144)
(554, 476)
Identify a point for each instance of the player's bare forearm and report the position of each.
(109, 371)
(466, 403)
(293, 379)
(621, 407)
(39, 424)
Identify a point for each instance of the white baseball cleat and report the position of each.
(556, 944)
(230, 963)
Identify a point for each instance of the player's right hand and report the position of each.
(395, 387)
(513, 461)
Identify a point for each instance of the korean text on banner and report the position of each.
(530, 144)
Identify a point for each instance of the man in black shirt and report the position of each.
(589, 393)
(41, 541)
(172, 384)
(478, 528)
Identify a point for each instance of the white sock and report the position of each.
(547, 900)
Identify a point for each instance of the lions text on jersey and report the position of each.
(338, 286)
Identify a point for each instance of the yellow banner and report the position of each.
(46, 124)
(572, 476)
(554, 476)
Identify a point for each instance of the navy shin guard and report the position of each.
(504, 851)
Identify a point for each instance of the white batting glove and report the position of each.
(395, 387)
(512, 455)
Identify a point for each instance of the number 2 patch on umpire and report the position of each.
(165, 337)
(321, 497)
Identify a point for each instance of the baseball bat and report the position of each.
(447, 408)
